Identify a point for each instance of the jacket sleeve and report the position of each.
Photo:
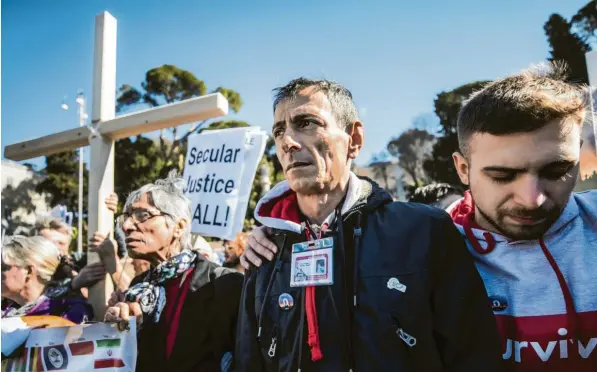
(464, 325)
(230, 285)
(247, 356)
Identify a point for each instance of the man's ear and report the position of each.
(357, 138)
(462, 167)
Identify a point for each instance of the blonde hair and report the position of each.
(23, 251)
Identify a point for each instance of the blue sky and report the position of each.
(395, 56)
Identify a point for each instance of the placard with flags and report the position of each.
(86, 347)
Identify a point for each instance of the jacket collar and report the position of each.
(201, 274)
(279, 207)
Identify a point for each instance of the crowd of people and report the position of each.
(338, 276)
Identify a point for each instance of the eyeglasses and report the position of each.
(139, 215)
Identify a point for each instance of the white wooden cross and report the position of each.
(104, 130)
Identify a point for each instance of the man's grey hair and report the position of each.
(168, 197)
(340, 98)
(52, 223)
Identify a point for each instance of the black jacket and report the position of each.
(207, 324)
(443, 311)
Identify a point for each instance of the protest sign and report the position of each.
(85, 347)
(218, 173)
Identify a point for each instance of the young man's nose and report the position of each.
(530, 193)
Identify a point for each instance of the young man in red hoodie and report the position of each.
(534, 241)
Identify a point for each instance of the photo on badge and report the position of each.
(312, 268)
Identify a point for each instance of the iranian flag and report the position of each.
(108, 354)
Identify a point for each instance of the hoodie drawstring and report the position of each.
(311, 310)
(570, 309)
(468, 230)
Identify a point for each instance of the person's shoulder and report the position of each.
(587, 203)
(226, 277)
(75, 309)
(586, 197)
(416, 212)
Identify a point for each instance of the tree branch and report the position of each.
(195, 127)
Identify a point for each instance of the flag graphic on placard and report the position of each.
(17, 364)
(55, 357)
(107, 361)
(35, 359)
(81, 348)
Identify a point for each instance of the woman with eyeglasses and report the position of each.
(185, 306)
(28, 264)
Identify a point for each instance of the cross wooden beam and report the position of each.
(105, 129)
(167, 116)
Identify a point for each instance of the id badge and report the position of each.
(312, 263)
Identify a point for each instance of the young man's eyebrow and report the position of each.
(497, 168)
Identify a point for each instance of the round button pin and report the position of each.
(498, 303)
(285, 301)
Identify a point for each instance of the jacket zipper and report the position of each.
(274, 343)
(408, 339)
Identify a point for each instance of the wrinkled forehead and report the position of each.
(554, 142)
(139, 201)
(307, 101)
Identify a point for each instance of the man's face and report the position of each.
(521, 182)
(59, 238)
(313, 148)
(152, 235)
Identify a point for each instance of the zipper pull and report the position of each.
(272, 347)
(408, 339)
